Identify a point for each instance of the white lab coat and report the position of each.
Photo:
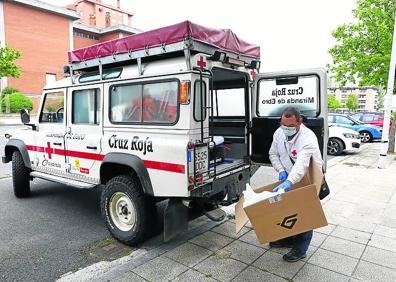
(301, 148)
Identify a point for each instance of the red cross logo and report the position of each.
(49, 150)
(294, 153)
(253, 73)
(201, 62)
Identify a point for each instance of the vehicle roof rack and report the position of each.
(184, 38)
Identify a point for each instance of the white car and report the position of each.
(342, 139)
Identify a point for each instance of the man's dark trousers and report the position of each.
(300, 241)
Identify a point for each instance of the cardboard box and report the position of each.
(287, 214)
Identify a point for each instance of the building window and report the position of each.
(86, 35)
(108, 19)
(362, 96)
(363, 90)
(344, 91)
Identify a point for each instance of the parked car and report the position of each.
(368, 132)
(370, 118)
(342, 139)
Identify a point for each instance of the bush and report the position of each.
(17, 102)
(8, 90)
(51, 108)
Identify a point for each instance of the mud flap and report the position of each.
(175, 218)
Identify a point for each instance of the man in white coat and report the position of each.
(292, 148)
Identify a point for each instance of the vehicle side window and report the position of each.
(343, 120)
(330, 119)
(145, 103)
(199, 109)
(86, 106)
(367, 118)
(52, 110)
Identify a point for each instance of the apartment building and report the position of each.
(367, 96)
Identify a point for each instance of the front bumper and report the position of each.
(352, 145)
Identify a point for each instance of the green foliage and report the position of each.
(333, 103)
(17, 101)
(362, 51)
(51, 108)
(62, 101)
(352, 102)
(8, 68)
(8, 90)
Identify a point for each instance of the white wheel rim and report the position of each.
(333, 147)
(122, 211)
(364, 137)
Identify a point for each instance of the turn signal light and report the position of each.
(185, 92)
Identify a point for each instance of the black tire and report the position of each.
(144, 209)
(20, 176)
(365, 136)
(335, 147)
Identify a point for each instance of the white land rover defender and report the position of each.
(177, 114)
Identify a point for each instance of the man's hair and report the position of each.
(291, 111)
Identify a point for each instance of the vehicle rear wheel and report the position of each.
(335, 147)
(365, 136)
(126, 210)
(20, 176)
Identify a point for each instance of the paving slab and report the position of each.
(379, 256)
(251, 238)
(160, 269)
(334, 261)
(385, 231)
(193, 275)
(228, 229)
(343, 246)
(326, 229)
(255, 274)
(221, 267)
(274, 263)
(127, 277)
(244, 252)
(383, 242)
(212, 241)
(188, 254)
(372, 272)
(351, 234)
(318, 239)
(310, 272)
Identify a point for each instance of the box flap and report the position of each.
(315, 175)
(241, 217)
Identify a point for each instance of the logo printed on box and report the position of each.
(289, 221)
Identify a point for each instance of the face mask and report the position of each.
(289, 131)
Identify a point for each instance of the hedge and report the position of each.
(17, 102)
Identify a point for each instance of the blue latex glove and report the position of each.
(287, 185)
(282, 176)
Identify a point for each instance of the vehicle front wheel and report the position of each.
(365, 136)
(335, 147)
(20, 176)
(126, 210)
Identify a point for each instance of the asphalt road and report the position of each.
(45, 236)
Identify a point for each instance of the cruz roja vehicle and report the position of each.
(178, 114)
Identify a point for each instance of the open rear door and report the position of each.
(272, 92)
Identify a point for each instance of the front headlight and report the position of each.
(350, 135)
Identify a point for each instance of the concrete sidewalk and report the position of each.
(358, 244)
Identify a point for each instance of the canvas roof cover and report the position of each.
(223, 39)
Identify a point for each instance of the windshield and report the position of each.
(355, 120)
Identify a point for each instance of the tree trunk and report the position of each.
(391, 148)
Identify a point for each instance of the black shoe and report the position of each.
(280, 244)
(294, 255)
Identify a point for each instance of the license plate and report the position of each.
(201, 159)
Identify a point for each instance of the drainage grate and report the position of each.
(108, 250)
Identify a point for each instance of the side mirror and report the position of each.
(25, 117)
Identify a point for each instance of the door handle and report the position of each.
(92, 147)
(57, 144)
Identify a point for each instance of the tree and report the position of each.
(352, 102)
(362, 51)
(8, 68)
(333, 102)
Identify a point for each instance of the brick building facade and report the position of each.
(50, 32)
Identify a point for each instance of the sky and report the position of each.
(292, 34)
